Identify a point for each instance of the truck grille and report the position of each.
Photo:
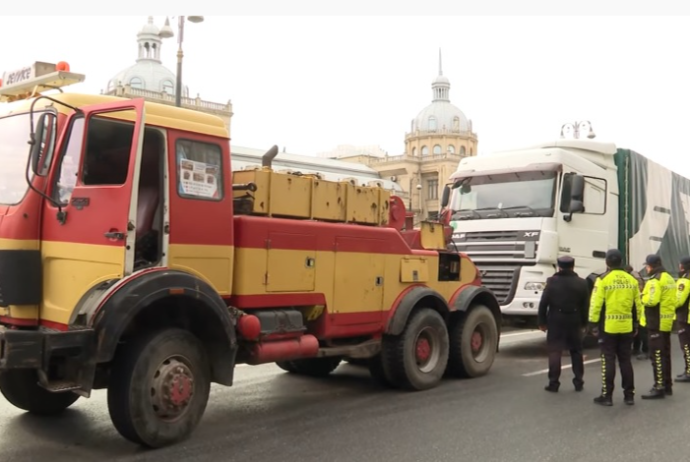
(491, 236)
(497, 246)
(501, 281)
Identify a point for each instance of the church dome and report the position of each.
(441, 115)
(148, 73)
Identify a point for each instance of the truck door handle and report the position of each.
(115, 235)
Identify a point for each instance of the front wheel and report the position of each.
(159, 387)
(473, 342)
(20, 387)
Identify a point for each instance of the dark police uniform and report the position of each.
(682, 319)
(615, 310)
(640, 348)
(659, 300)
(563, 313)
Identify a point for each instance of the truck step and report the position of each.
(61, 386)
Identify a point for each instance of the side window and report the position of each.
(69, 164)
(199, 170)
(108, 151)
(594, 197)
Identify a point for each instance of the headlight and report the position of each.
(535, 286)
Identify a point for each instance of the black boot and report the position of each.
(552, 388)
(668, 391)
(603, 400)
(655, 393)
(629, 400)
(579, 384)
(684, 377)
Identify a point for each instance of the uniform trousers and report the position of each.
(616, 346)
(565, 336)
(660, 354)
(684, 340)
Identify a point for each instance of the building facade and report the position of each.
(439, 137)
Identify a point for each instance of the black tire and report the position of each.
(313, 367)
(20, 387)
(468, 360)
(357, 361)
(286, 366)
(402, 364)
(377, 372)
(143, 370)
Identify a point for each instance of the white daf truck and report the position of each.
(515, 212)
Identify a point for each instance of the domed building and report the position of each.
(148, 73)
(441, 127)
(148, 78)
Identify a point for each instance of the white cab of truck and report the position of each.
(511, 213)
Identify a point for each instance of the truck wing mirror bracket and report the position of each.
(576, 206)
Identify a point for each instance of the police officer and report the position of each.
(640, 347)
(659, 300)
(615, 301)
(563, 315)
(682, 319)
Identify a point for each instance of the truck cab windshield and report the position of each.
(508, 195)
(14, 152)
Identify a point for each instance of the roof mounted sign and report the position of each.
(29, 81)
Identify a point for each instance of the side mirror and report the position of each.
(38, 141)
(577, 187)
(576, 206)
(445, 197)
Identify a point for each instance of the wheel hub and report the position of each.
(172, 389)
(423, 349)
(477, 341)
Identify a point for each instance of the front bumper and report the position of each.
(34, 349)
(522, 306)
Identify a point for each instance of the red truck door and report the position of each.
(89, 238)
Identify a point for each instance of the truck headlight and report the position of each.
(535, 286)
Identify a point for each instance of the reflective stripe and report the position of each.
(618, 317)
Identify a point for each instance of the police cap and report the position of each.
(614, 258)
(565, 261)
(653, 260)
(685, 262)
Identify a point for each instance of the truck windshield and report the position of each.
(509, 195)
(14, 151)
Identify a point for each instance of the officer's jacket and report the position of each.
(564, 301)
(616, 300)
(659, 298)
(682, 298)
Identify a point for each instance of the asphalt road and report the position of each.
(505, 416)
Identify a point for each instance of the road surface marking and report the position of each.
(544, 371)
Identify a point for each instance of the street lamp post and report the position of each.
(167, 32)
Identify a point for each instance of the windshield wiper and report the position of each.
(531, 210)
(495, 216)
(466, 217)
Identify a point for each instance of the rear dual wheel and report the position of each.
(473, 342)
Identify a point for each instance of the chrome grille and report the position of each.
(501, 280)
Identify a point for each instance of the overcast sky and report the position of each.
(311, 83)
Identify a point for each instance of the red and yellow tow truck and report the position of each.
(132, 259)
